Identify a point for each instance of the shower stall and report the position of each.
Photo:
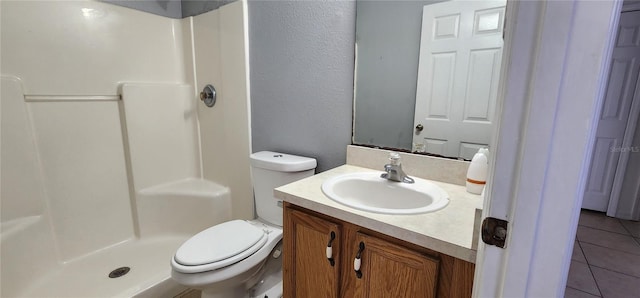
(109, 160)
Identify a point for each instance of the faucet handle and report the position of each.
(394, 158)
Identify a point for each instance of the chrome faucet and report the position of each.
(394, 170)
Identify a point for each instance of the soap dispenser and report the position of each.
(477, 172)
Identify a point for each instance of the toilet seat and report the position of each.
(219, 246)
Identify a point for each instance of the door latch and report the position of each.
(494, 231)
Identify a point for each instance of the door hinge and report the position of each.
(494, 231)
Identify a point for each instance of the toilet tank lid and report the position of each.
(282, 162)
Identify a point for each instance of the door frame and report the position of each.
(555, 67)
(627, 139)
(623, 160)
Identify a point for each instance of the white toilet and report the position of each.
(240, 258)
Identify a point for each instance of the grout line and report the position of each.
(595, 228)
(610, 248)
(603, 215)
(616, 250)
(580, 261)
(585, 292)
(625, 227)
(583, 256)
(627, 274)
(590, 271)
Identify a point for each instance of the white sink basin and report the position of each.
(367, 191)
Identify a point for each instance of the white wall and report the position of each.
(82, 158)
(629, 199)
(87, 47)
(20, 166)
(161, 143)
(629, 203)
(224, 129)
(25, 222)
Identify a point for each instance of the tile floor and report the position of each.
(606, 258)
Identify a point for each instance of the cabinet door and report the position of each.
(389, 270)
(308, 272)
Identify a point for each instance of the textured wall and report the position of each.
(196, 7)
(388, 38)
(176, 9)
(302, 59)
(167, 8)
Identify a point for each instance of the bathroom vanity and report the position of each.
(435, 249)
(389, 266)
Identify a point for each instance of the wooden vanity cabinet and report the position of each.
(389, 267)
(389, 270)
(307, 270)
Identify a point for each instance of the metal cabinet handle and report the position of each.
(330, 249)
(357, 262)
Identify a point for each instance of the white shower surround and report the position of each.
(90, 182)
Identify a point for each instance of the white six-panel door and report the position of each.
(623, 75)
(458, 74)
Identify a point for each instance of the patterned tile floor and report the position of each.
(606, 258)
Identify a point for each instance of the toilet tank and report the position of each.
(270, 170)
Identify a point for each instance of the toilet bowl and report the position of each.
(236, 257)
(228, 260)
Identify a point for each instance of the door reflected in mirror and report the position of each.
(427, 74)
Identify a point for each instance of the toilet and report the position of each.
(241, 258)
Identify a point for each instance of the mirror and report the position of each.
(427, 74)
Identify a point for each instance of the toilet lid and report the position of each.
(220, 242)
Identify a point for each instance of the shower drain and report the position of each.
(119, 272)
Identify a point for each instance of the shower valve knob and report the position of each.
(208, 95)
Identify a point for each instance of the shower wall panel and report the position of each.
(87, 47)
(80, 145)
(224, 129)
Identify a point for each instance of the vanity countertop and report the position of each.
(449, 230)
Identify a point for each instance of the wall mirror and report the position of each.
(427, 74)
